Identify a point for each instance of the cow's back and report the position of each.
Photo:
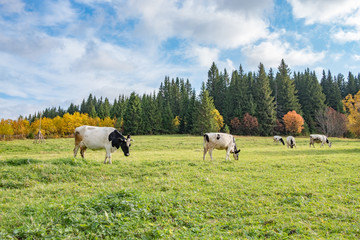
(218, 140)
(318, 137)
(93, 137)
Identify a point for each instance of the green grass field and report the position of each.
(165, 190)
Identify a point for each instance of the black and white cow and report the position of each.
(279, 139)
(220, 141)
(318, 138)
(107, 138)
(290, 142)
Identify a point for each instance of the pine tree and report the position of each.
(107, 108)
(286, 95)
(132, 115)
(205, 121)
(351, 85)
(311, 97)
(265, 106)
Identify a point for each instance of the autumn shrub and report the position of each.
(249, 125)
(293, 122)
(235, 125)
(331, 122)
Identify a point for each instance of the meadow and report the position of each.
(164, 190)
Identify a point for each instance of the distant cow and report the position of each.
(100, 138)
(290, 142)
(220, 141)
(278, 139)
(318, 138)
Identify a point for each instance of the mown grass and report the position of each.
(165, 190)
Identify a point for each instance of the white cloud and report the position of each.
(203, 22)
(347, 36)
(356, 57)
(205, 56)
(270, 54)
(323, 11)
(343, 15)
(11, 6)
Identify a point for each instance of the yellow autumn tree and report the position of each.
(59, 124)
(107, 122)
(218, 119)
(176, 123)
(352, 107)
(293, 122)
(6, 128)
(21, 127)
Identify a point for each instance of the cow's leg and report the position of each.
(210, 152)
(108, 156)
(227, 154)
(205, 151)
(82, 151)
(76, 148)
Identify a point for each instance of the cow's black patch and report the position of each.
(291, 143)
(116, 139)
(207, 138)
(218, 137)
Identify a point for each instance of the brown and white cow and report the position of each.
(220, 141)
(318, 138)
(107, 138)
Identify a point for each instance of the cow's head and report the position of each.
(328, 142)
(236, 153)
(118, 140)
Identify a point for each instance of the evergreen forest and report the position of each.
(244, 103)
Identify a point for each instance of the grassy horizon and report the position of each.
(165, 190)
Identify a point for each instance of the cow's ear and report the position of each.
(237, 151)
(129, 138)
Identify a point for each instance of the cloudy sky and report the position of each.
(53, 53)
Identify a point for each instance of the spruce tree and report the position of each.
(132, 115)
(265, 106)
(286, 95)
(205, 121)
(351, 85)
(311, 97)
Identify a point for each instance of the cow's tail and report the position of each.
(281, 140)
(206, 138)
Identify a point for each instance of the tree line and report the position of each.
(247, 103)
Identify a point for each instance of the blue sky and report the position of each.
(53, 53)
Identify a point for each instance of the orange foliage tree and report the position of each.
(352, 107)
(293, 122)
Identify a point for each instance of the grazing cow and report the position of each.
(220, 141)
(100, 138)
(318, 138)
(290, 142)
(278, 139)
